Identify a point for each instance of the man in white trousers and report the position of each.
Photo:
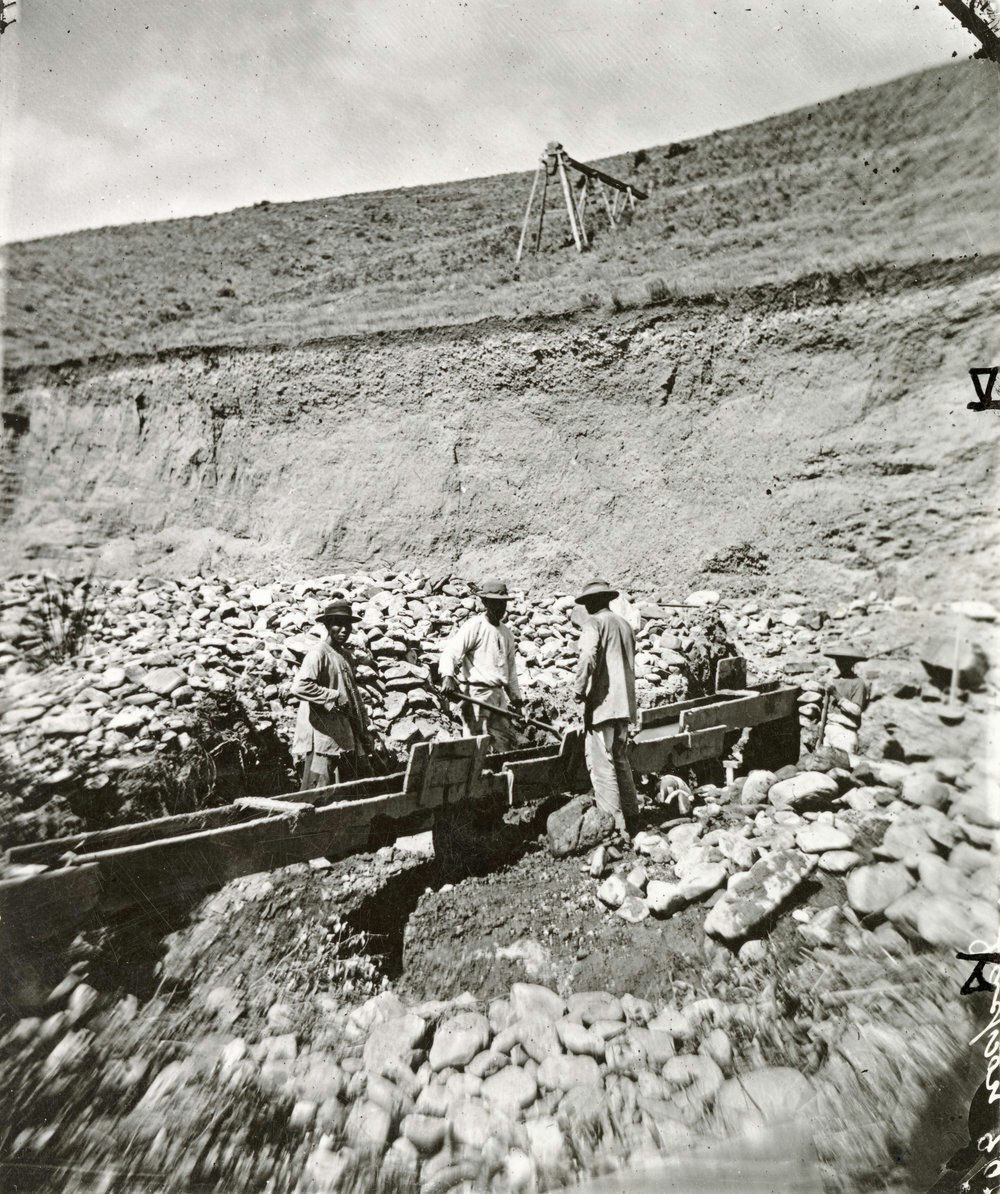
(605, 684)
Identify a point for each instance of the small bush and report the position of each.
(68, 616)
(659, 291)
(167, 785)
(589, 301)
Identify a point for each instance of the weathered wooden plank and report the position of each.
(742, 712)
(196, 862)
(654, 756)
(651, 718)
(496, 762)
(416, 768)
(268, 804)
(533, 779)
(453, 769)
(353, 789)
(41, 906)
(450, 771)
(51, 851)
(731, 673)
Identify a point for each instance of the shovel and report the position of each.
(528, 721)
(952, 715)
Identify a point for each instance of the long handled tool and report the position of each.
(528, 721)
(952, 714)
(822, 718)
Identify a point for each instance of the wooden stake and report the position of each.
(541, 213)
(602, 190)
(570, 207)
(822, 719)
(953, 692)
(580, 208)
(952, 714)
(527, 215)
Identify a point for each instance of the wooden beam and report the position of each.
(580, 207)
(654, 756)
(609, 179)
(740, 714)
(602, 190)
(51, 851)
(541, 210)
(527, 214)
(570, 206)
(662, 715)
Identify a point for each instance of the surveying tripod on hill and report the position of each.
(554, 163)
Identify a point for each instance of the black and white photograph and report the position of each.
(500, 597)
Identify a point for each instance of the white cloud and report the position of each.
(144, 111)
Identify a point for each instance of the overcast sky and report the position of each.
(147, 109)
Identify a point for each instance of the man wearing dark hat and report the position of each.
(331, 735)
(605, 684)
(848, 696)
(481, 653)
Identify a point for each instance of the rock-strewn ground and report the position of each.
(786, 949)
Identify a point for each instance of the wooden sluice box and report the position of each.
(57, 884)
(693, 731)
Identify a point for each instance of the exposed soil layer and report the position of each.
(813, 437)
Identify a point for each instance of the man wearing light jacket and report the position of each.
(331, 734)
(481, 654)
(605, 684)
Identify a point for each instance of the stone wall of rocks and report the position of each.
(156, 644)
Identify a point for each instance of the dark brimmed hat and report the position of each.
(337, 611)
(597, 588)
(493, 590)
(845, 651)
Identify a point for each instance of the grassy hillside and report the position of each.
(898, 173)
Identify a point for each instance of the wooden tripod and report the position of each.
(554, 163)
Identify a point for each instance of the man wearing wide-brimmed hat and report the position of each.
(848, 697)
(605, 684)
(331, 735)
(481, 654)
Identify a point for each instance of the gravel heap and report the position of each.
(522, 1093)
(156, 646)
(916, 843)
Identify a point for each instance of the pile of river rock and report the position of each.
(916, 843)
(154, 645)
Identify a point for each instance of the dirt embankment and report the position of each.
(807, 437)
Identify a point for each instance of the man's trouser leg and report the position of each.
(318, 771)
(600, 764)
(623, 771)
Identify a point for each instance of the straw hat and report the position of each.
(337, 611)
(597, 588)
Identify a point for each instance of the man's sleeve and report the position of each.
(306, 684)
(455, 650)
(589, 643)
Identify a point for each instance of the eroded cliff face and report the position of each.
(780, 441)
